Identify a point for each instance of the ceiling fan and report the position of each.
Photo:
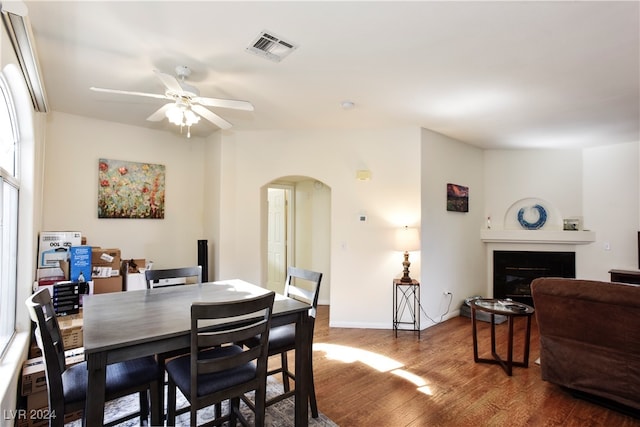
(187, 105)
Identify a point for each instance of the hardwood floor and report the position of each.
(370, 378)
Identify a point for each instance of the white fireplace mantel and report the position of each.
(572, 237)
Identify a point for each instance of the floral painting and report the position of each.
(130, 190)
(457, 198)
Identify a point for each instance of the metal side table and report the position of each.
(406, 305)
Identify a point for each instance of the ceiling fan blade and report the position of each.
(212, 117)
(169, 81)
(160, 113)
(126, 92)
(224, 103)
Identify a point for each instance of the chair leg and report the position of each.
(312, 394)
(56, 421)
(260, 405)
(234, 410)
(144, 407)
(156, 401)
(171, 403)
(193, 419)
(285, 371)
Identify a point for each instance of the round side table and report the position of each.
(511, 310)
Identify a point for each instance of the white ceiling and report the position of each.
(493, 74)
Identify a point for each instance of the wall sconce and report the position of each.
(363, 175)
(407, 240)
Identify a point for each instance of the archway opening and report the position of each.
(296, 230)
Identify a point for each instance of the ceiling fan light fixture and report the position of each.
(182, 115)
(175, 115)
(187, 106)
(190, 118)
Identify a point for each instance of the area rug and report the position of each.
(281, 414)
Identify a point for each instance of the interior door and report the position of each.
(276, 239)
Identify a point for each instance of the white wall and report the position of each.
(598, 184)
(313, 236)
(554, 176)
(74, 145)
(212, 184)
(452, 255)
(363, 263)
(611, 185)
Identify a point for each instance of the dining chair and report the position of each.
(67, 386)
(189, 274)
(302, 285)
(154, 278)
(217, 369)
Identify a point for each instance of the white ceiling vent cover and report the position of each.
(271, 46)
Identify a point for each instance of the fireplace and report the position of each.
(513, 271)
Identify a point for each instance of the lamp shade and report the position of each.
(407, 239)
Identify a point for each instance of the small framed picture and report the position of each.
(457, 198)
(572, 224)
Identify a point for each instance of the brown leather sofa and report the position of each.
(590, 338)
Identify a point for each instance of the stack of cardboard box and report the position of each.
(34, 382)
(69, 268)
(63, 256)
(106, 270)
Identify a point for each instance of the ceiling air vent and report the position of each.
(270, 46)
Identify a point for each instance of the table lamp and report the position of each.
(407, 239)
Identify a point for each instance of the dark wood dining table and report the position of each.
(125, 325)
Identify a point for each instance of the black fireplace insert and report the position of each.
(513, 271)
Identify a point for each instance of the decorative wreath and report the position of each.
(542, 218)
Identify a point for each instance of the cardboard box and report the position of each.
(50, 276)
(24, 421)
(72, 416)
(136, 282)
(37, 409)
(80, 262)
(70, 318)
(104, 285)
(106, 258)
(64, 266)
(74, 356)
(38, 400)
(54, 246)
(71, 331)
(135, 265)
(34, 379)
(34, 350)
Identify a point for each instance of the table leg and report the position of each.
(416, 307)
(508, 364)
(475, 334)
(510, 348)
(527, 342)
(303, 376)
(157, 395)
(96, 381)
(395, 310)
(493, 335)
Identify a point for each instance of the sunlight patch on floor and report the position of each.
(376, 361)
(351, 354)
